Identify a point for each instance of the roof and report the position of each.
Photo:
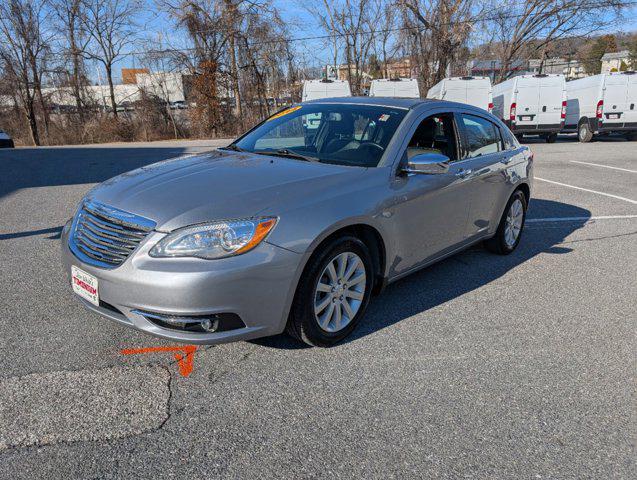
(494, 65)
(616, 55)
(378, 101)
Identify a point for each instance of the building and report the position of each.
(401, 68)
(129, 75)
(494, 68)
(168, 86)
(617, 62)
(571, 69)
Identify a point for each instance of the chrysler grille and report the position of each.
(105, 236)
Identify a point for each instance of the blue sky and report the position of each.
(301, 24)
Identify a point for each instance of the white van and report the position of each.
(317, 89)
(532, 104)
(395, 87)
(474, 91)
(602, 103)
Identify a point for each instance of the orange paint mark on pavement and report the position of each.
(185, 362)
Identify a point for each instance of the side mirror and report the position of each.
(427, 163)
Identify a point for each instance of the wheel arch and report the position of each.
(367, 234)
(525, 189)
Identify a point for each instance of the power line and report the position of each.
(329, 36)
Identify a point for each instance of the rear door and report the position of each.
(631, 101)
(527, 102)
(616, 105)
(483, 159)
(551, 94)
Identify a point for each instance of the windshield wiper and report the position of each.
(232, 147)
(284, 152)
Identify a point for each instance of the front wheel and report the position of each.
(509, 232)
(332, 294)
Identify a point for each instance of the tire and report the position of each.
(501, 243)
(304, 324)
(551, 137)
(584, 133)
(632, 137)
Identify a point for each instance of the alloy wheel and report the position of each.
(513, 225)
(340, 292)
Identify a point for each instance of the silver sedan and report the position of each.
(298, 222)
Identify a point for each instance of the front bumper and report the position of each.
(258, 286)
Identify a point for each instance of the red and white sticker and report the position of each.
(85, 285)
(383, 118)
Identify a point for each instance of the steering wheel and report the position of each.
(372, 146)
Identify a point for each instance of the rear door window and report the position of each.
(481, 136)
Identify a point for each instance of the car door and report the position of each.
(484, 159)
(430, 210)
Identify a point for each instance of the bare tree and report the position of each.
(111, 27)
(437, 31)
(232, 15)
(69, 15)
(386, 34)
(204, 24)
(23, 52)
(522, 30)
(355, 23)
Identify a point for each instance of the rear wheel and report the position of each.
(509, 232)
(332, 294)
(632, 137)
(584, 132)
(551, 137)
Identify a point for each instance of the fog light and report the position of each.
(209, 325)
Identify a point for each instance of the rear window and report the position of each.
(510, 142)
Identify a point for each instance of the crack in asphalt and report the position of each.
(41, 440)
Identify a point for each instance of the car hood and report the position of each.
(218, 185)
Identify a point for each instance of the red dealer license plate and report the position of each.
(85, 285)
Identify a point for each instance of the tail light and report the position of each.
(600, 107)
(512, 112)
(563, 113)
(490, 107)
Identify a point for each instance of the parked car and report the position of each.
(476, 91)
(5, 140)
(178, 105)
(602, 104)
(532, 104)
(273, 233)
(395, 87)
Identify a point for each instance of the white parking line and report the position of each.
(587, 190)
(577, 219)
(604, 166)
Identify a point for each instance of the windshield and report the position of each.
(342, 134)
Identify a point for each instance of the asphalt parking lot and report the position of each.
(479, 367)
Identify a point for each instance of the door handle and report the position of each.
(462, 173)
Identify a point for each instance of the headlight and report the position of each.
(214, 240)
